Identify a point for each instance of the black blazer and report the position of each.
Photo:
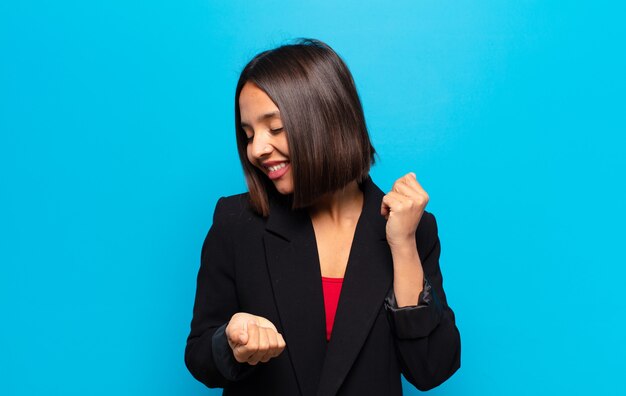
(270, 267)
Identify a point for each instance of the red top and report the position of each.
(332, 290)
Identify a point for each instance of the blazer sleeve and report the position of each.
(426, 336)
(207, 354)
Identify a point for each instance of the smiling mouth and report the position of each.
(278, 170)
(274, 168)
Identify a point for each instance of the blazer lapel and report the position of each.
(293, 266)
(368, 278)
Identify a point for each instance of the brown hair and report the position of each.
(323, 118)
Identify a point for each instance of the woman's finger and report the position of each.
(247, 351)
(408, 180)
(394, 201)
(263, 352)
(281, 342)
(419, 198)
(266, 323)
(272, 338)
(406, 190)
(411, 181)
(389, 201)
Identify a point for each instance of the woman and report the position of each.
(315, 282)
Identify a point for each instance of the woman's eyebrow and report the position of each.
(263, 117)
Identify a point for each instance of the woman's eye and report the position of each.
(277, 129)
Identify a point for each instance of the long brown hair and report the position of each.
(322, 116)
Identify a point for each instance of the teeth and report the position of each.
(277, 167)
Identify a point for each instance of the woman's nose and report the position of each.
(261, 147)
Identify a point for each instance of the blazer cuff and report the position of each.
(414, 321)
(225, 361)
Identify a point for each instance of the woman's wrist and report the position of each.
(405, 249)
(408, 273)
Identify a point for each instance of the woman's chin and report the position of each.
(283, 189)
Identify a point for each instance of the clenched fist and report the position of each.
(253, 339)
(403, 208)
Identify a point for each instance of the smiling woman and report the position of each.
(315, 282)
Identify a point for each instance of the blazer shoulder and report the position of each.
(427, 230)
(234, 209)
(428, 222)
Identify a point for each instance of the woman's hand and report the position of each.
(403, 208)
(253, 339)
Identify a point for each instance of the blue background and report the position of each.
(117, 138)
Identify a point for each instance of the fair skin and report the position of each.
(255, 339)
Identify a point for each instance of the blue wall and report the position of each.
(116, 139)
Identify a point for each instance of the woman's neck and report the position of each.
(338, 206)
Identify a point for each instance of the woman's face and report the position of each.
(267, 140)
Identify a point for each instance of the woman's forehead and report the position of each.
(255, 103)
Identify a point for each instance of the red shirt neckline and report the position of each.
(335, 280)
(331, 288)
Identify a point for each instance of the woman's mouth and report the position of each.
(278, 170)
